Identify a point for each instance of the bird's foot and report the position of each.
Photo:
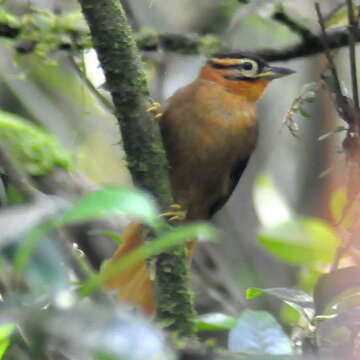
(177, 213)
(155, 110)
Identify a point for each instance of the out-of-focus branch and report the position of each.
(311, 44)
(16, 176)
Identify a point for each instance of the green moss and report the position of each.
(210, 44)
(36, 151)
(8, 18)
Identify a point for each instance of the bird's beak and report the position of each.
(274, 72)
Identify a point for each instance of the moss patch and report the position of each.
(36, 151)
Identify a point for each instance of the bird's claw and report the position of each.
(155, 110)
(177, 214)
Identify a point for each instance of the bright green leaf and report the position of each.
(215, 321)
(252, 293)
(5, 334)
(301, 241)
(114, 200)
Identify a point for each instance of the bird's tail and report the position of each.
(134, 283)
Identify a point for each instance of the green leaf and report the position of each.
(338, 291)
(170, 239)
(27, 248)
(297, 299)
(252, 293)
(258, 332)
(339, 17)
(301, 241)
(114, 200)
(5, 333)
(215, 321)
(304, 113)
(270, 206)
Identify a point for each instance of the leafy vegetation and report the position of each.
(53, 303)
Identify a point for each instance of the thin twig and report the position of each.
(107, 104)
(343, 104)
(352, 31)
(324, 38)
(16, 176)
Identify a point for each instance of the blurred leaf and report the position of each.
(27, 248)
(13, 195)
(19, 219)
(338, 286)
(330, 133)
(304, 113)
(339, 334)
(5, 334)
(339, 16)
(298, 299)
(252, 293)
(113, 200)
(86, 330)
(215, 321)
(258, 332)
(110, 234)
(301, 241)
(270, 206)
(151, 248)
(291, 317)
(341, 209)
(308, 278)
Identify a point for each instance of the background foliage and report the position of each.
(257, 287)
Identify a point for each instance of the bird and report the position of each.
(209, 131)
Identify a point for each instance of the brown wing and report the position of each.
(208, 145)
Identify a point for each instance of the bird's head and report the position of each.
(242, 73)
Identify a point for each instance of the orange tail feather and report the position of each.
(134, 283)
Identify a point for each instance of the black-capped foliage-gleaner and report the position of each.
(209, 131)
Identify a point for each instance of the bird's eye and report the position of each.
(247, 66)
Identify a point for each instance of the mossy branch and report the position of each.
(63, 32)
(113, 40)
